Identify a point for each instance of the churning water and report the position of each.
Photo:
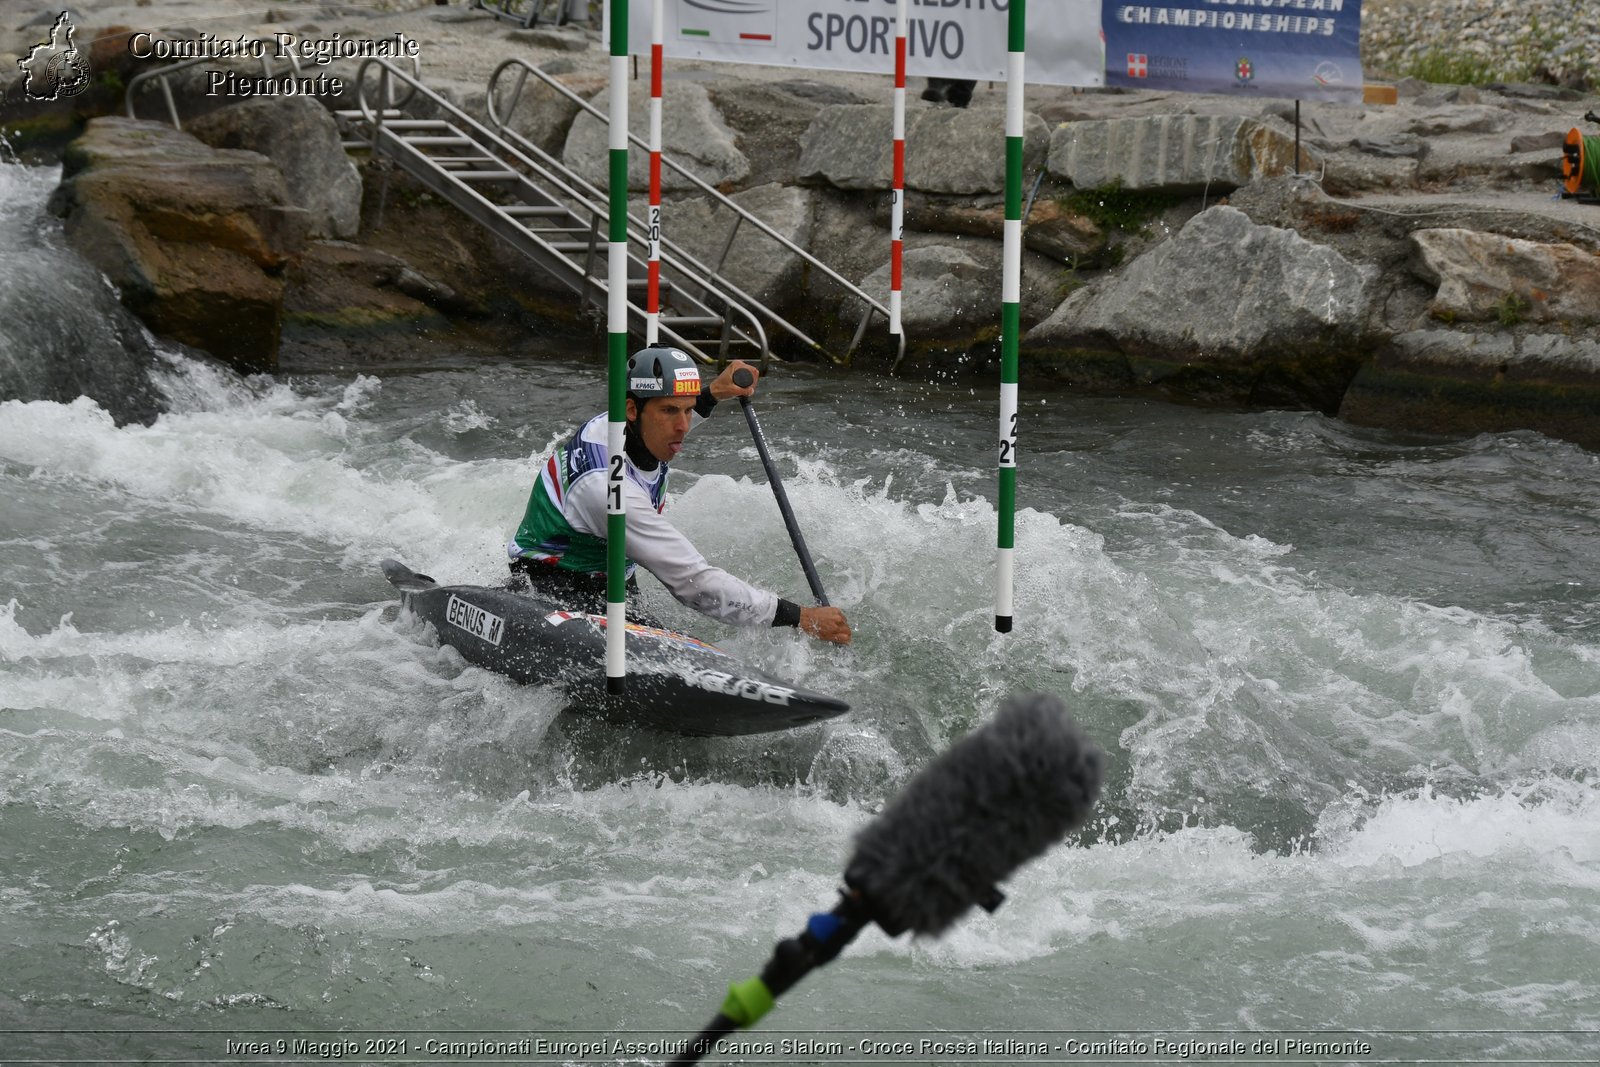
(1347, 679)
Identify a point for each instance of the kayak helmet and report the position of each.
(662, 370)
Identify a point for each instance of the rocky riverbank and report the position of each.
(1410, 266)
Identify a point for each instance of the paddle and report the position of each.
(743, 378)
(993, 801)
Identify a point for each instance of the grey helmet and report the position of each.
(662, 370)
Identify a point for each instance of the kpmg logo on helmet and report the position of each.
(643, 384)
(56, 69)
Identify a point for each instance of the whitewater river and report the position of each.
(1348, 682)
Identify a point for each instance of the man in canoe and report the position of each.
(560, 548)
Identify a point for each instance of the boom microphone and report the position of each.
(991, 803)
(996, 799)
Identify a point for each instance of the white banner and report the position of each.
(947, 39)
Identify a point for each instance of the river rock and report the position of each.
(1050, 229)
(756, 262)
(692, 132)
(948, 150)
(1483, 277)
(942, 289)
(301, 137)
(1224, 309)
(772, 117)
(1452, 381)
(950, 290)
(195, 239)
(963, 150)
(1174, 153)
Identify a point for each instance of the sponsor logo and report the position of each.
(473, 619)
(749, 688)
(56, 68)
(1244, 71)
(1138, 65)
(644, 384)
(1328, 73)
(688, 381)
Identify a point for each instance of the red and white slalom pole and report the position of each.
(897, 200)
(652, 319)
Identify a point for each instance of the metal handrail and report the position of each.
(678, 257)
(596, 210)
(744, 215)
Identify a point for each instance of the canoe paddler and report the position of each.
(560, 548)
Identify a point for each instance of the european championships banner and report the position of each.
(1302, 49)
(946, 39)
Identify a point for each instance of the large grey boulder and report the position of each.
(756, 262)
(1259, 312)
(301, 137)
(693, 133)
(1175, 153)
(771, 117)
(948, 150)
(1483, 277)
(195, 239)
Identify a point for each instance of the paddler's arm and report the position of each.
(722, 388)
(659, 547)
(823, 623)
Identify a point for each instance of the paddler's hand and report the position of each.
(826, 624)
(723, 387)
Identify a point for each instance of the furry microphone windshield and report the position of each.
(995, 800)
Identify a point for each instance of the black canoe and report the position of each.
(675, 682)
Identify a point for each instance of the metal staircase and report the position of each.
(557, 218)
(544, 211)
(746, 227)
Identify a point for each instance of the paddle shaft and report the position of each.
(743, 378)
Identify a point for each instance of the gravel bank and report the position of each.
(1555, 41)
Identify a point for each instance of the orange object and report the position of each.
(1379, 94)
(1572, 160)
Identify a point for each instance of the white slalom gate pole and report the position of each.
(897, 201)
(1010, 316)
(617, 370)
(652, 321)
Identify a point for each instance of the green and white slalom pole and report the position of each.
(617, 371)
(1010, 316)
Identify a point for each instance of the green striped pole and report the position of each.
(617, 336)
(1010, 315)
